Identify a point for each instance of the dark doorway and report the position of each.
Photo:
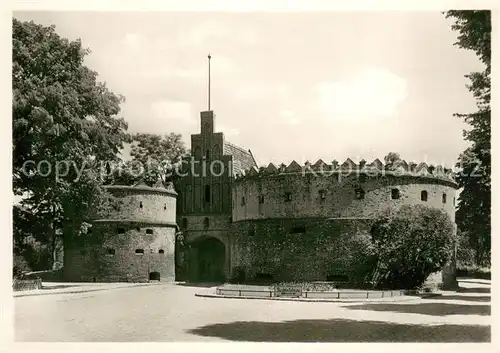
(210, 260)
(154, 276)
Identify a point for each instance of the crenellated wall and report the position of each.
(347, 191)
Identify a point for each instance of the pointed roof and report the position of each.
(293, 167)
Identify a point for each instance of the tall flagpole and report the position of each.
(209, 57)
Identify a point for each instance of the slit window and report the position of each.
(243, 201)
(139, 251)
(165, 206)
(423, 195)
(297, 230)
(206, 222)
(444, 198)
(207, 193)
(140, 204)
(395, 194)
(161, 251)
(149, 231)
(288, 196)
(453, 201)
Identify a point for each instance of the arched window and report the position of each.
(444, 198)
(184, 223)
(395, 194)
(197, 152)
(215, 152)
(140, 204)
(139, 251)
(207, 193)
(423, 195)
(206, 222)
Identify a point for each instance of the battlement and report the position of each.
(375, 168)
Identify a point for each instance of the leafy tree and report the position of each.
(391, 159)
(473, 215)
(64, 119)
(158, 154)
(411, 243)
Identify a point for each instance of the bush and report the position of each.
(411, 243)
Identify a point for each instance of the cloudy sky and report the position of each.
(290, 86)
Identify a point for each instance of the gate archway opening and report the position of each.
(209, 261)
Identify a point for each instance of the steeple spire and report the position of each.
(209, 57)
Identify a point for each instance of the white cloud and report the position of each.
(131, 40)
(372, 93)
(290, 117)
(260, 90)
(228, 131)
(172, 110)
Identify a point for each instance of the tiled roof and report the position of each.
(242, 159)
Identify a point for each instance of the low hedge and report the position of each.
(474, 272)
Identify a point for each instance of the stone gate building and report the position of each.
(287, 222)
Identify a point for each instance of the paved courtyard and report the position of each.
(169, 312)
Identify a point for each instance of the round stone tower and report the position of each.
(134, 242)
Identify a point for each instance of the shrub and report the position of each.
(411, 243)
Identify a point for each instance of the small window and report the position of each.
(149, 231)
(165, 206)
(110, 251)
(207, 193)
(243, 201)
(184, 223)
(423, 195)
(206, 222)
(296, 230)
(444, 198)
(139, 251)
(121, 230)
(360, 194)
(261, 199)
(395, 194)
(161, 251)
(322, 194)
(288, 196)
(140, 204)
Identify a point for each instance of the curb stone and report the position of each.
(41, 291)
(380, 300)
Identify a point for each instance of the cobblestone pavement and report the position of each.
(169, 312)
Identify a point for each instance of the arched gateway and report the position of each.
(207, 257)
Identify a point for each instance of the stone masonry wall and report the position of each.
(110, 256)
(156, 206)
(339, 196)
(297, 249)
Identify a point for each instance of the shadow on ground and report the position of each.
(59, 286)
(342, 330)
(474, 290)
(435, 309)
(480, 298)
